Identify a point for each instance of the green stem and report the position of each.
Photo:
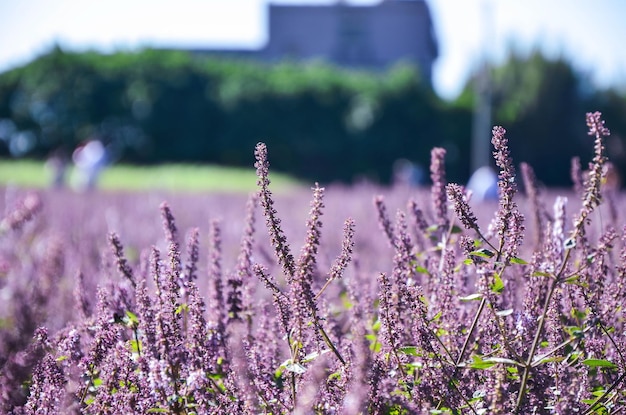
(136, 335)
(89, 384)
(293, 390)
(481, 236)
(483, 301)
(317, 296)
(617, 348)
(539, 359)
(481, 306)
(604, 395)
(331, 345)
(533, 347)
(535, 343)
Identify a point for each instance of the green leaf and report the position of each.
(409, 350)
(376, 326)
(157, 410)
(314, 355)
(436, 316)
(479, 363)
(291, 367)
(345, 300)
(296, 368)
(135, 346)
(575, 280)
(482, 364)
(573, 358)
(471, 297)
(504, 313)
(334, 375)
(375, 345)
(599, 363)
(479, 394)
(574, 331)
(498, 285)
(432, 228)
(310, 357)
(278, 373)
(578, 314)
(456, 229)
(182, 308)
(132, 317)
(503, 360)
(541, 274)
(516, 260)
(421, 270)
(61, 358)
(599, 392)
(483, 253)
(557, 359)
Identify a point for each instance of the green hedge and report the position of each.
(322, 123)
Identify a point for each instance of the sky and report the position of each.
(590, 33)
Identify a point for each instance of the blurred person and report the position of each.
(56, 164)
(483, 184)
(407, 173)
(89, 161)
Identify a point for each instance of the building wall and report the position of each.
(371, 37)
(300, 31)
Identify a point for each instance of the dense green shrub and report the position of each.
(323, 123)
(540, 99)
(154, 106)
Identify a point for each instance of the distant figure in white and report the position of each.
(483, 184)
(89, 161)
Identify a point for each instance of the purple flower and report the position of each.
(438, 189)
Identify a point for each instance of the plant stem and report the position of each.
(481, 306)
(331, 345)
(535, 343)
(601, 398)
(538, 360)
(317, 296)
(533, 347)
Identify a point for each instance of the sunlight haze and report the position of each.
(590, 34)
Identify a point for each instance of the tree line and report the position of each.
(322, 123)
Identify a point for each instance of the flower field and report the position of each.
(336, 300)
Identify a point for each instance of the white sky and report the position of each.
(590, 32)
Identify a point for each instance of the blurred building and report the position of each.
(358, 36)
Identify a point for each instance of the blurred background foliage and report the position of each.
(320, 122)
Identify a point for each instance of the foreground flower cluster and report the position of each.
(467, 316)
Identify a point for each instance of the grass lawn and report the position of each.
(175, 177)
